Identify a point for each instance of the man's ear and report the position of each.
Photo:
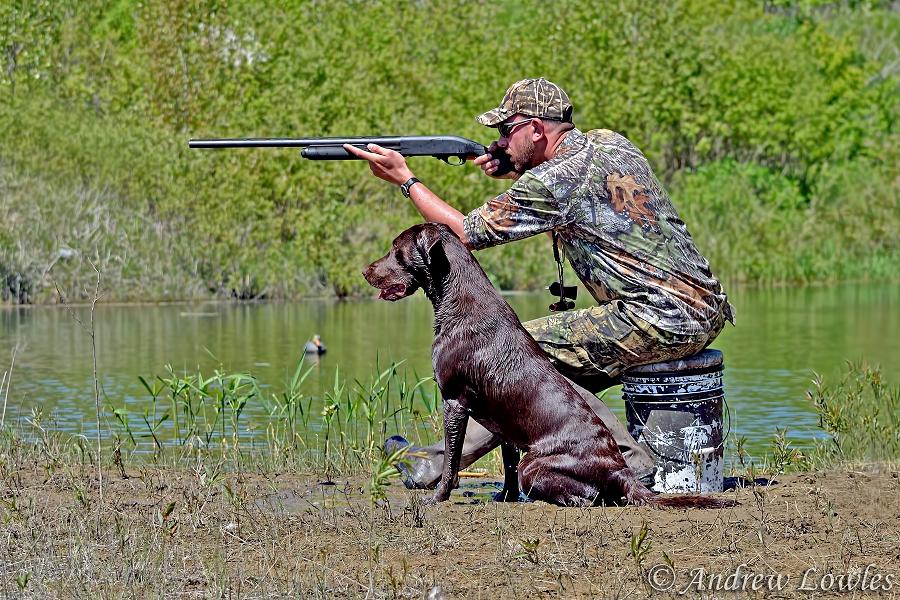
(538, 129)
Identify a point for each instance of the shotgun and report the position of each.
(443, 147)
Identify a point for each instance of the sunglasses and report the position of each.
(507, 128)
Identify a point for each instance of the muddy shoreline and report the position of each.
(203, 533)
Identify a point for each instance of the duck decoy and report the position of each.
(315, 346)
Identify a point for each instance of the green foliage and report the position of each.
(640, 547)
(860, 414)
(785, 109)
(384, 468)
(784, 456)
(341, 431)
(757, 225)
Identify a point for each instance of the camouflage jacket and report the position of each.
(619, 230)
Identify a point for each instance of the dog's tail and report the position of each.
(690, 502)
(640, 495)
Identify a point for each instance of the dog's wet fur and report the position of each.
(487, 366)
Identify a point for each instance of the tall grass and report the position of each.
(189, 415)
(757, 226)
(861, 414)
(61, 228)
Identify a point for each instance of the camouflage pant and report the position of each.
(593, 346)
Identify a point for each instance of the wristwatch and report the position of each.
(404, 188)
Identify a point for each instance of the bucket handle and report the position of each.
(701, 452)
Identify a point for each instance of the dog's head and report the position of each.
(416, 260)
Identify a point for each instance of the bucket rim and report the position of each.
(687, 399)
(683, 373)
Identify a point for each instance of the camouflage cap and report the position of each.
(532, 97)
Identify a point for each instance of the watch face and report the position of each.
(404, 188)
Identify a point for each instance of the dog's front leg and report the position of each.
(455, 418)
(510, 491)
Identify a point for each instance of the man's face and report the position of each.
(518, 144)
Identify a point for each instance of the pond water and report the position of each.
(782, 337)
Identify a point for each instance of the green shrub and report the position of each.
(756, 225)
(860, 414)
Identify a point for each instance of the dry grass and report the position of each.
(215, 520)
(204, 532)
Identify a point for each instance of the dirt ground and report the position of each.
(175, 533)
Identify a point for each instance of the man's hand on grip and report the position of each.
(490, 162)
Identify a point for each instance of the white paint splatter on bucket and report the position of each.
(677, 417)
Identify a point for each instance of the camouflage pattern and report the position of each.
(532, 97)
(591, 345)
(625, 242)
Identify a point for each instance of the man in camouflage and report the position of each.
(597, 196)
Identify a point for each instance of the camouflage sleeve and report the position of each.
(526, 209)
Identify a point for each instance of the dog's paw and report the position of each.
(506, 495)
(436, 498)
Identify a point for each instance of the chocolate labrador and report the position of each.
(487, 366)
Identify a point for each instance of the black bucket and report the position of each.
(674, 411)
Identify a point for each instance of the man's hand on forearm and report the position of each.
(385, 164)
(391, 166)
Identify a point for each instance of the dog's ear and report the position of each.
(431, 247)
